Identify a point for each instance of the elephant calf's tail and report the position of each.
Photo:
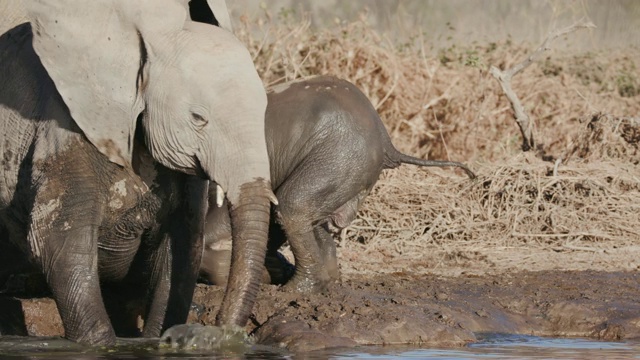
(394, 158)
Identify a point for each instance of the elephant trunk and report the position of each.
(249, 227)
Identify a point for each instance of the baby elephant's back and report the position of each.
(323, 117)
(318, 98)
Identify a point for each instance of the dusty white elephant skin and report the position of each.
(114, 116)
(327, 147)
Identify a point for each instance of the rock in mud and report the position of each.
(298, 336)
(196, 337)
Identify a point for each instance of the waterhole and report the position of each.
(490, 346)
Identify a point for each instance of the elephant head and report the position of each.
(193, 89)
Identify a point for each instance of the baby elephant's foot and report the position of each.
(305, 283)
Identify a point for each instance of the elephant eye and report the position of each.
(199, 120)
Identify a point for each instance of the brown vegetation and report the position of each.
(573, 205)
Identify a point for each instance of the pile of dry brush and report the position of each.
(580, 191)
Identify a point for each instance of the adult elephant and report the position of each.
(327, 147)
(114, 114)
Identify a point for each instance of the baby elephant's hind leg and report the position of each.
(310, 275)
(305, 202)
(337, 221)
(327, 247)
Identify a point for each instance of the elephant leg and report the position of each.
(160, 286)
(305, 204)
(70, 265)
(172, 282)
(327, 251)
(338, 220)
(178, 261)
(216, 257)
(216, 263)
(296, 214)
(310, 275)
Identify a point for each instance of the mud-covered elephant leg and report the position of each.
(337, 220)
(309, 275)
(310, 211)
(327, 247)
(299, 206)
(70, 260)
(176, 264)
(159, 287)
(64, 240)
(216, 257)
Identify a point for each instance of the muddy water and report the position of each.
(493, 346)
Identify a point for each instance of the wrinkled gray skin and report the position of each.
(327, 147)
(117, 230)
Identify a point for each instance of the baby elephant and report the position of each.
(327, 147)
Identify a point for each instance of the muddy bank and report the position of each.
(424, 310)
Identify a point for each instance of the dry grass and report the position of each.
(578, 196)
(522, 213)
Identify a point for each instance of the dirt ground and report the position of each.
(432, 310)
(426, 310)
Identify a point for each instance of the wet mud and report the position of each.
(422, 310)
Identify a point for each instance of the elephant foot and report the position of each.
(332, 269)
(307, 284)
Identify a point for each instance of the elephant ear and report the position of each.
(221, 13)
(212, 12)
(94, 51)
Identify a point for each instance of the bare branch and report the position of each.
(581, 24)
(504, 78)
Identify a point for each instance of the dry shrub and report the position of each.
(445, 104)
(604, 137)
(448, 106)
(428, 217)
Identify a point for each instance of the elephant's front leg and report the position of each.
(176, 264)
(175, 268)
(70, 263)
(160, 287)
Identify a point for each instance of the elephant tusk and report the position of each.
(273, 198)
(219, 196)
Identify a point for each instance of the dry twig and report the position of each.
(504, 78)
